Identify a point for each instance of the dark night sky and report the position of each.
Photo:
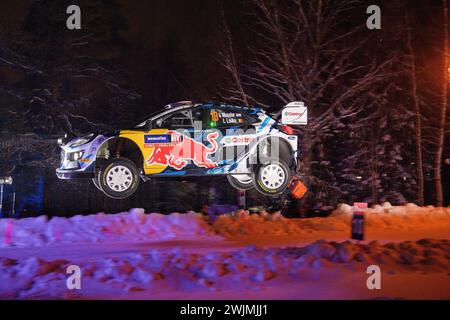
(171, 45)
(171, 50)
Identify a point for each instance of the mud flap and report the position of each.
(296, 188)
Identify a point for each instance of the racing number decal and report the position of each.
(214, 116)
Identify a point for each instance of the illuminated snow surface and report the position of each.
(133, 255)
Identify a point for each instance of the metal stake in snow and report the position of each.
(1, 200)
(14, 205)
(359, 209)
(241, 199)
(3, 181)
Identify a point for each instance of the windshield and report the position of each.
(141, 122)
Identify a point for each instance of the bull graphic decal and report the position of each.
(183, 148)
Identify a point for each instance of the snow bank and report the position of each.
(265, 224)
(379, 217)
(228, 267)
(387, 216)
(246, 267)
(134, 225)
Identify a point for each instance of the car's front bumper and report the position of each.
(73, 174)
(81, 167)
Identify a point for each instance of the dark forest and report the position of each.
(378, 99)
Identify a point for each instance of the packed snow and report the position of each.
(134, 225)
(236, 256)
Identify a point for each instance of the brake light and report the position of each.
(286, 129)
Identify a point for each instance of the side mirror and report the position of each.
(148, 125)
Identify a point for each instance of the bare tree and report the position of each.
(417, 113)
(36, 117)
(303, 52)
(443, 112)
(228, 60)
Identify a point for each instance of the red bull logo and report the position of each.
(182, 149)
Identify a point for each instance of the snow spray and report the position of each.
(359, 209)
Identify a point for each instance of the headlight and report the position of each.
(80, 141)
(75, 156)
(6, 180)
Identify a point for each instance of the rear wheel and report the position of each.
(119, 178)
(272, 177)
(241, 181)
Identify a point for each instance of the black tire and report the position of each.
(127, 180)
(271, 187)
(96, 181)
(238, 184)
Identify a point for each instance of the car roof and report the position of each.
(223, 105)
(181, 105)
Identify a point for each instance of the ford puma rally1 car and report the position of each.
(253, 148)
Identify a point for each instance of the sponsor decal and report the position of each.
(295, 115)
(156, 138)
(239, 139)
(177, 155)
(151, 139)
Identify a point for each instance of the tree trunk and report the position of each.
(417, 117)
(373, 167)
(235, 70)
(443, 114)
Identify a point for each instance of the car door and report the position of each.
(163, 143)
(236, 130)
(178, 144)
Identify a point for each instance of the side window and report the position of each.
(219, 118)
(177, 120)
(197, 114)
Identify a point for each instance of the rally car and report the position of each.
(252, 147)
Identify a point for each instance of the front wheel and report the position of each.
(272, 177)
(96, 181)
(119, 178)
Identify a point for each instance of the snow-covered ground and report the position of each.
(182, 256)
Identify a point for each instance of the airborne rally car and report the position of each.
(253, 148)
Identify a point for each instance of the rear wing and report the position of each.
(294, 113)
